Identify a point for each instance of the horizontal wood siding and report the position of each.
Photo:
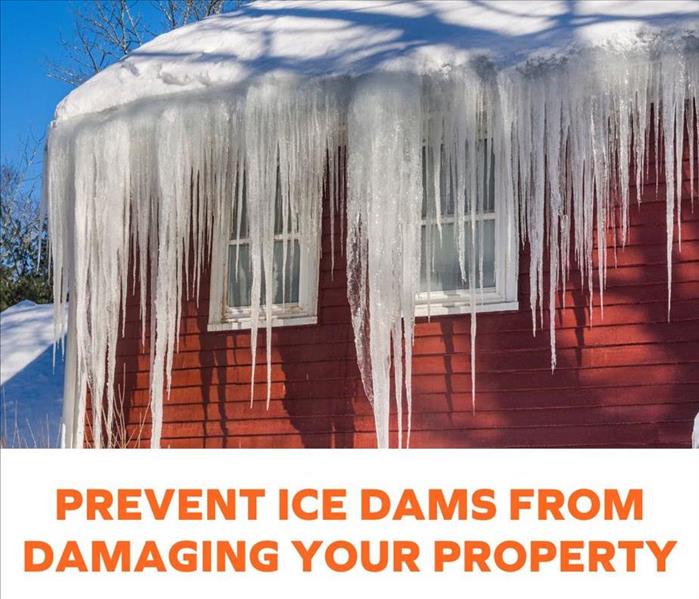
(628, 379)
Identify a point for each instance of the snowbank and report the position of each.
(332, 39)
(31, 388)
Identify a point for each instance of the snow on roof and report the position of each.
(325, 39)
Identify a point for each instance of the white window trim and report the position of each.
(223, 317)
(502, 297)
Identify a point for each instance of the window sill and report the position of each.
(438, 308)
(243, 324)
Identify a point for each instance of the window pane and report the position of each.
(279, 215)
(282, 211)
(444, 271)
(289, 292)
(489, 182)
(240, 274)
(243, 215)
(444, 185)
(447, 185)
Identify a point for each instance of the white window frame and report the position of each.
(223, 317)
(502, 297)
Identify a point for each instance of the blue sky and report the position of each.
(29, 35)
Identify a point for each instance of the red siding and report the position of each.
(630, 380)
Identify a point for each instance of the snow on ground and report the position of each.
(31, 389)
(321, 39)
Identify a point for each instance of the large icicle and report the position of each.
(384, 202)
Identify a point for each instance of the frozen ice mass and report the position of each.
(556, 102)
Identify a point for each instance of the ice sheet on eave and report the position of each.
(331, 39)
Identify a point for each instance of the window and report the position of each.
(443, 289)
(295, 272)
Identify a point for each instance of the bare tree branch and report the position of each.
(23, 266)
(104, 31)
(176, 13)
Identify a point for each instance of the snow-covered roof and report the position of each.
(314, 38)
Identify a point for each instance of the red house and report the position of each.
(490, 234)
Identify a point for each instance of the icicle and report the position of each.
(383, 219)
(289, 134)
(672, 84)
